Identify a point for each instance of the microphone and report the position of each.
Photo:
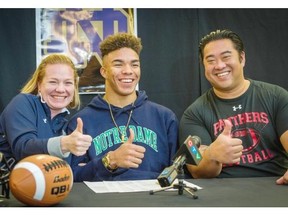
(190, 150)
(187, 153)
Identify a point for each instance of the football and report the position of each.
(41, 180)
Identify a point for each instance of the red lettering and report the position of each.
(241, 120)
(243, 157)
(234, 121)
(266, 154)
(218, 127)
(257, 157)
(264, 117)
(250, 158)
(256, 117)
(265, 157)
(248, 117)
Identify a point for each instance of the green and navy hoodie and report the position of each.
(155, 128)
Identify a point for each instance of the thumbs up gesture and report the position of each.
(79, 127)
(226, 149)
(77, 142)
(128, 155)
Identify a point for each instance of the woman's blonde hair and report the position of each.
(37, 77)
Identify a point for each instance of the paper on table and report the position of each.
(129, 186)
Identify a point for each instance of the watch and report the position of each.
(106, 163)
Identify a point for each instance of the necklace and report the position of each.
(112, 117)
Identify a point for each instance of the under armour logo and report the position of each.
(45, 120)
(235, 108)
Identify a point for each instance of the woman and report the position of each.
(33, 122)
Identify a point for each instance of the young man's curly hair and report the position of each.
(118, 41)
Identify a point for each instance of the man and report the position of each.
(133, 138)
(244, 122)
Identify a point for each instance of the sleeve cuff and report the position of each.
(54, 147)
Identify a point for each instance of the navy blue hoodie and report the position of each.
(26, 128)
(155, 128)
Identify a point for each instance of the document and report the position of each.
(131, 186)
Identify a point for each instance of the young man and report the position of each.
(133, 138)
(244, 122)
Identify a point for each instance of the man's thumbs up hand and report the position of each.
(226, 149)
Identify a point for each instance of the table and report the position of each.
(217, 192)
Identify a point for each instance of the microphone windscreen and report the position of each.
(190, 149)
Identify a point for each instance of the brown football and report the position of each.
(41, 180)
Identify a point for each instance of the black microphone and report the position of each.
(187, 153)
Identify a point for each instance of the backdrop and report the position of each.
(171, 73)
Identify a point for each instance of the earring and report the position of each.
(41, 98)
